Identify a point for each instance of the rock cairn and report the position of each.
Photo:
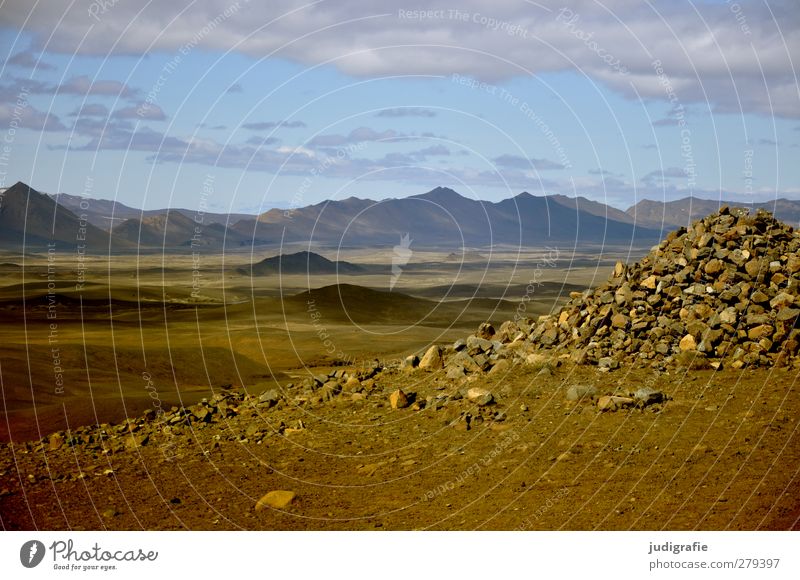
(723, 291)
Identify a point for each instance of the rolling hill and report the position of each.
(299, 263)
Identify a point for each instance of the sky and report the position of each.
(245, 106)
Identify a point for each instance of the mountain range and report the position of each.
(440, 218)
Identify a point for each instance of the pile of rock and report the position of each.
(725, 289)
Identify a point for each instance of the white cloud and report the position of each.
(734, 61)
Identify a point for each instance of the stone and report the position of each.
(728, 316)
(501, 367)
(648, 396)
(410, 362)
(619, 320)
(277, 499)
(476, 345)
(608, 363)
(398, 400)
(714, 267)
(480, 396)
(269, 398)
(761, 331)
(352, 385)
(688, 342)
(485, 331)
(136, 441)
(432, 360)
(787, 314)
(781, 300)
(753, 267)
(650, 282)
(613, 403)
(466, 362)
(56, 441)
(455, 372)
(330, 390)
(578, 392)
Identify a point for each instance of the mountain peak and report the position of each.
(440, 194)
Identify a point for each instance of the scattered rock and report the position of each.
(613, 403)
(398, 400)
(278, 499)
(608, 363)
(648, 396)
(578, 392)
(480, 396)
(270, 397)
(410, 362)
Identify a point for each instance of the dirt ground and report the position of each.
(723, 453)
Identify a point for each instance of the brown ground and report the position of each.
(722, 453)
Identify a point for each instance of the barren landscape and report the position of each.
(544, 389)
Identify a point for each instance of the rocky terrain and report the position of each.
(665, 398)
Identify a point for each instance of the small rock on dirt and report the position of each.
(277, 499)
(398, 400)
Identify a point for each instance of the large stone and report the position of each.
(787, 314)
(619, 320)
(278, 499)
(432, 360)
(688, 342)
(485, 331)
(501, 367)
(760, 331)
(650, 282)
(613, 403)
(398, 400)
(477, 345)
(466, 362)
(455, 372)
(410, 362)
(480, 396)
(607, 363)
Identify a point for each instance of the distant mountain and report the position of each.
(593, 207)
(300, 263)
(99, 212)
(443, 218)
(31, 220)
(173, 229)
(684, 211)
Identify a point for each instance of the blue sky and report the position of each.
(291, 104)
